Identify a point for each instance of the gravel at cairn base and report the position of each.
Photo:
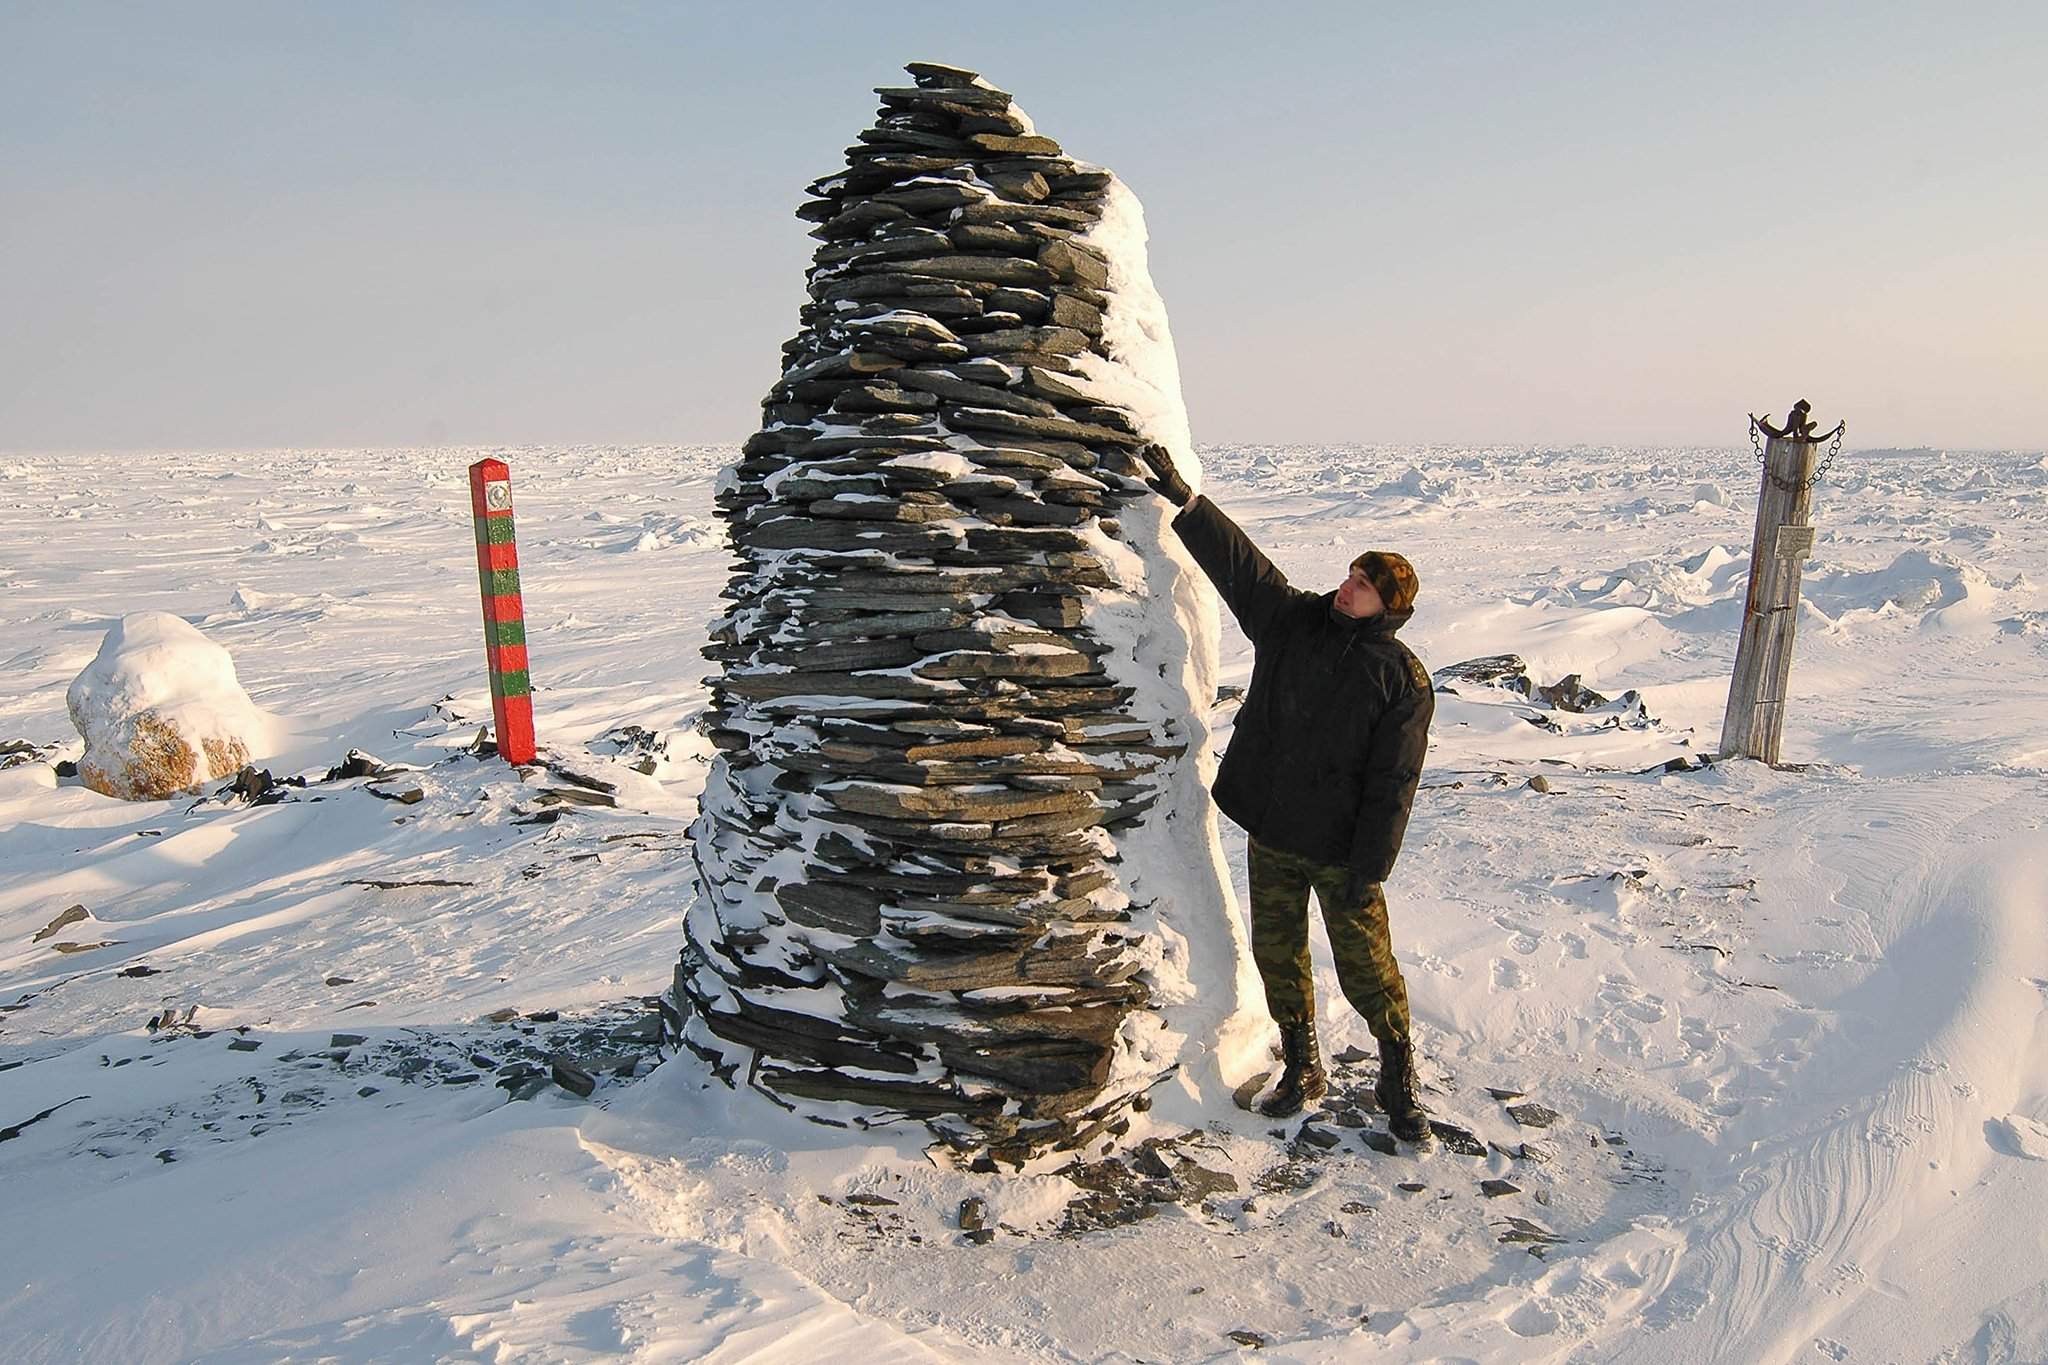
(963, 663)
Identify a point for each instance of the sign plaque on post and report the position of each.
(497, 567)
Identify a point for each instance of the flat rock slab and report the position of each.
(1533, 1115)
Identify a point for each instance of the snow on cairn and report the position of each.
(162, 711)
(958, 860)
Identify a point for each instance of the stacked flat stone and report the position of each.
(910, 898)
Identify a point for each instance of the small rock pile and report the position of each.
(909, 899)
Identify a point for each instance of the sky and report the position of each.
(228, 225)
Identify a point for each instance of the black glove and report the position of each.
(1355, 887)
(1166, 480)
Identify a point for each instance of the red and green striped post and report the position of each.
(497, 569)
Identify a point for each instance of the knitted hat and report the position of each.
(1392, 576)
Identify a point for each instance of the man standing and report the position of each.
(1320, 772)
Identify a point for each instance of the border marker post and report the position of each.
(497, 567)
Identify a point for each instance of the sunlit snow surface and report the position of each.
(1813, 1006)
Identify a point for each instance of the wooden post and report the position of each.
(1755, 720)
(497, 567)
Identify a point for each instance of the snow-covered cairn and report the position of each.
(960, 668)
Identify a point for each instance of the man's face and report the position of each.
(1357, 597)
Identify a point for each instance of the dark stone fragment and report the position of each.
(1029, 304)
(1460, 1140)
(366, 1091)
(1533, 1115)
(572, 1078)
(1568, 694)
(880, 395)
(996, 211)
(346, 1040)
(988, 269)
(944, 385)
(1320, 1138)
(848, 655)
(1505, 1095)
(1010, 423)
(969, 96)
(1246, 1337)
(881, 510)
(1494, 1189)
(825, 905)
(1495, 670)
(925, 198)
(139, 970)
(1029, 144)
(939, 75)
(1072, 261)
(1412, 1186)
(1004, 122)
(803, 533)
(1023, 186)
(992, 237)
(1029, 345)
(1069, 311)
(908, 1097)
(243, 1044)
(1079, 182)
(1382, 1143)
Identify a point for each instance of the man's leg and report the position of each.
(1364, 951)
(1280, 884)
(1279, 904)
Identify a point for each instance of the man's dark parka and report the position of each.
(1329, 742)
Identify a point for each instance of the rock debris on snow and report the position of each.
(910, 899)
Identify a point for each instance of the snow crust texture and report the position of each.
(161, 711)
(957, 664)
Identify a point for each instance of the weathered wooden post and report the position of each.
(497, 567)
(1755, 720)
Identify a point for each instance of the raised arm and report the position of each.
(1252, 588)
(1255, 591)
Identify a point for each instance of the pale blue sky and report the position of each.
(270, 223)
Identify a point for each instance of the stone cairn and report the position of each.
(909, 900)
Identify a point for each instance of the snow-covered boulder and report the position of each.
(162, 711)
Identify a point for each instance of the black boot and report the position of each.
(1302, 1081)
(1395, 1091)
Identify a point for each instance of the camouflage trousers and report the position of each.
(1359, 941)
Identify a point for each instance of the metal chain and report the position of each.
(1820, 471)
(1841, 429)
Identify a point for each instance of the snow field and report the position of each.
(1810, 1006)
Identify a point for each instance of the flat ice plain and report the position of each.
(1795, 1022)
